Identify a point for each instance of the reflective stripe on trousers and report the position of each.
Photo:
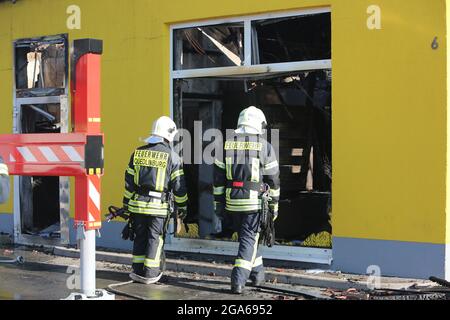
(249, 260)
(148, 243)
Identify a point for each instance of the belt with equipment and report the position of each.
(246, 185)
(146, 192)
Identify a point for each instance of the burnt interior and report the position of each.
(296, 104)
(43, 211)
(40, 71)
(300, 38)
(209, 46)
(41, 66)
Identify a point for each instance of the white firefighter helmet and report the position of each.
(251, 120)
(165, 128)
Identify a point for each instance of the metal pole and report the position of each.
(87, 262)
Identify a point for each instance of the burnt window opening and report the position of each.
(44, 118)
(41, 66)
(297, 104)
(209, 46)
(301, 38)
(41, 88)
(40, 196)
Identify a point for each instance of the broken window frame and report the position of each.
(42, 96)
(250, 43)
(278, 252)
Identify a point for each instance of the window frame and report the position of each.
(279, 252)
(248, 67)
(42, 96)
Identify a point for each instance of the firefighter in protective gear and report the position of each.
(154, 170)
(239, 181)
(4, 182)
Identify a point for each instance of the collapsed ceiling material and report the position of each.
(45, 66)
(230, 55)
(209, 46)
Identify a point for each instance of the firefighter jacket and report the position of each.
(153, 171)
(4, 182)
(249, 163)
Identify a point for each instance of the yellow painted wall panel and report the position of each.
(389, 135)
(5, 118)
(389, 97)
(448, 128)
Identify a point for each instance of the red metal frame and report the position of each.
(86, 119)
(86, 95)
(65, 154)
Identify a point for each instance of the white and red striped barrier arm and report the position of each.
(44, 154)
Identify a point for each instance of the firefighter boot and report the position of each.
(237, 288)
(238, 279)
(138, 268)
(257, 278)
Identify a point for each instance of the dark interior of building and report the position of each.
(296, 104)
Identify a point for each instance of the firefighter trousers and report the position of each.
(248, 263)
(148, 253)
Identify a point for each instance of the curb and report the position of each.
(207, 268)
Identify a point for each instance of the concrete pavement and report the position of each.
(44, 276)
(302, 277)
(47, 275)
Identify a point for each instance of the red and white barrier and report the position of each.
(78, 154)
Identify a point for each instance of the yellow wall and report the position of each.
(390, 123)
(389, 97)
(448, 127)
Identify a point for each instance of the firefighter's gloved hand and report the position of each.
(182, 213)
(36, 182)
(219, 209)
(275, 216)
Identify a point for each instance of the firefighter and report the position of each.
(239, 181)
(4, 182)
(154, 170)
